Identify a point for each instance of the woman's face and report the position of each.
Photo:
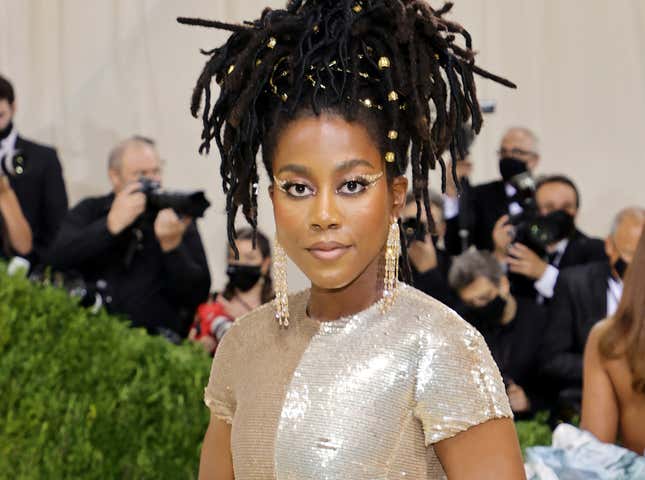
(331, 200)
(248, 255)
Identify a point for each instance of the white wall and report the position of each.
(89, 73)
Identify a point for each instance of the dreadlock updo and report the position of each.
(392, 65)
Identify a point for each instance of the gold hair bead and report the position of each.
(357, 8)
(284, 97)
(272, 42)
(383, 63)
(392, 134)
(230, 69)
(258, 62)
(389, 157)
(367, 102)
(316, 29)
(393, 96)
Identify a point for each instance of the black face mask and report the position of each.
(510, 167)
(244, 277)
(621, 267)
(5, 133)
(561, 224)
(490, 314)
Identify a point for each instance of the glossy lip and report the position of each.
(328, 250)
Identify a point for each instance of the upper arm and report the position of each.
(599, 404)
(486, 451)
(216, 461)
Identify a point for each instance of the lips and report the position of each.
(328, 250)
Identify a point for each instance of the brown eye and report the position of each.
(352, 187)
(298, 190)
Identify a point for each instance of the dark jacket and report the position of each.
(517, 349)
(580, 250)
(486, 204)
(579, 301)
(155, 290)
(41, 194)
(434, 282)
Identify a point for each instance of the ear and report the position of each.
(115, 178)
(266, 263)
(14, 107)
(399, 191)
(271, 192)
(609, 248)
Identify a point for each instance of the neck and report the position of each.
(510, 310)
(252, 297)
(330, 304)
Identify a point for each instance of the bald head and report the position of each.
(625, 233)
(132, 159)
(520, 143)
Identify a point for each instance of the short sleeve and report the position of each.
(219, 394)
(458, 383)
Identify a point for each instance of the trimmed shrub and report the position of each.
(85, 396)
(534, 432)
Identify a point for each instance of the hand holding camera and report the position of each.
(128, 205)
(170, 228)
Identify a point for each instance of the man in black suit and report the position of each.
(151, 264)
(584, 295)
(533, 275)
(40, 188)
(489, 201)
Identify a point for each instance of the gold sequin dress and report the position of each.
(363, 397)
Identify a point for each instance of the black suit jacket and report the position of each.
(580, 250)
(41, 193)
(156, 289)
(580, 301)
(486, 204)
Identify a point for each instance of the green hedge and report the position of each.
(83, 396)
(534, 432)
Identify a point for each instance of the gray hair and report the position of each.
(629, 213)
(116, 154)
(470, 265)
(529, 133)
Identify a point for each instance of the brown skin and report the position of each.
(549, 198)
(609, 404)
(129, 203)
(480, 292)
(350, 283)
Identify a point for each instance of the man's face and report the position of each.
(6, 113)
(554, 196)
(624, 242)
(138, 160)
(482, 291)
(518, 144)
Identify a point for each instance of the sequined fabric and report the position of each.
(363, 397)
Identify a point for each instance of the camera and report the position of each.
(190, 204)
(93, 295)
(13, 164)
(413, 230)
(535, 231)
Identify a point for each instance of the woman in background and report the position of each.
(249, 286)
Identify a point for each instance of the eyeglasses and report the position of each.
(516, 152)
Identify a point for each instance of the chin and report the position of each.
(332, 280)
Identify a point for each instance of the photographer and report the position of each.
(512, 327)
(486, 203)
(37, 182)
(428, 259)
(535, 268)
(152, 264)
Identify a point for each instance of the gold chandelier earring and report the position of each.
(279, 272)
(392, 253)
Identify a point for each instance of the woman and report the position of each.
(249, 286)
(613, 398)
(360, 376)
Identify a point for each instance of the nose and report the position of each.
(325, 213)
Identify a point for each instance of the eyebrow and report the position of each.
(346, 165)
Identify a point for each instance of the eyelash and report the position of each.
(285, 186)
